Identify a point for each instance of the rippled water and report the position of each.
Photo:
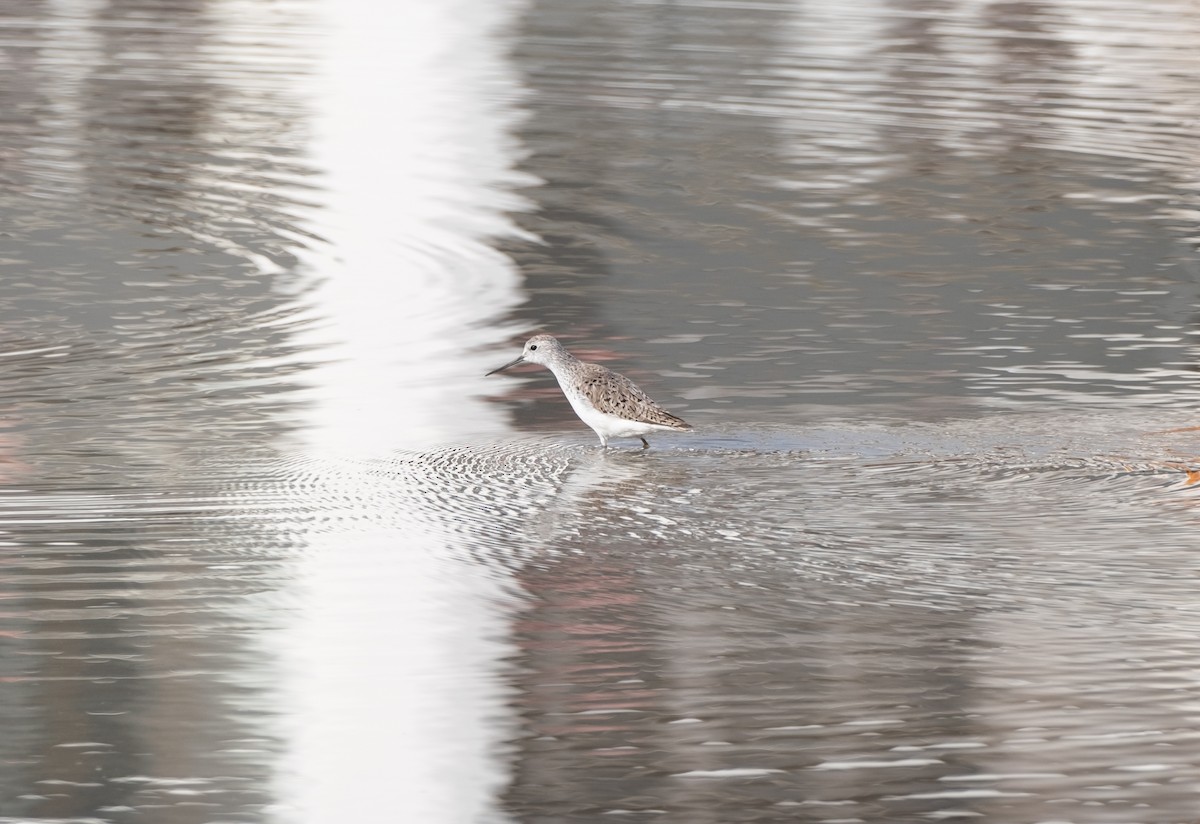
(921, 272)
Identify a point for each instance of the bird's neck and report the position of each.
(563, 361)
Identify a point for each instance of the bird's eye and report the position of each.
(533, 347)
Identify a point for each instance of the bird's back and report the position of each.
(614, 394)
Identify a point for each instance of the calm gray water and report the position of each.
(923, 274)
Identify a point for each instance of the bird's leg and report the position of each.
(645, 443)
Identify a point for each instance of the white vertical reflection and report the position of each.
(413, 144)
(391, 687)
(396, 713)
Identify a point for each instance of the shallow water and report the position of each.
(921, 273)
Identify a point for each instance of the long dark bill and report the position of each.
(520, 359)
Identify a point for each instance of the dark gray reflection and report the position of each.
(122, 667)
(151, 211)
(809, 206)
(644, 210)
(898, 214)
(882, 640)
(143, 286)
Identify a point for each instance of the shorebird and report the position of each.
(608, 402)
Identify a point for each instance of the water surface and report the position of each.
(922, 273)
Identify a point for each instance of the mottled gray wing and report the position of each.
(616, 394)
